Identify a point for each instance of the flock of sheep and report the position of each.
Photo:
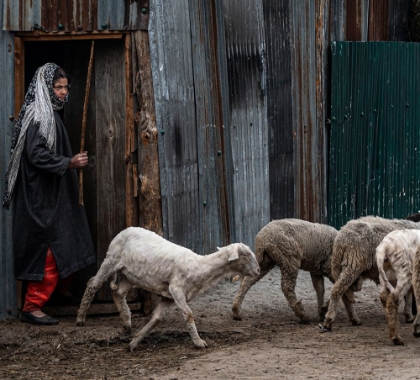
(386, 251)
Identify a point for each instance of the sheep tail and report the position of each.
(380, 259)
(113, 284)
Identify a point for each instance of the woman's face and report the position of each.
(61, 88)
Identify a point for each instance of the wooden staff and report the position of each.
(85, 107)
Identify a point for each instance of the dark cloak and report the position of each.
(47, 210)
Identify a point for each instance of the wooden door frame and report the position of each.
(19, 96)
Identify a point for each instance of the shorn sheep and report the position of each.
(145, 260)
(395, 258)
(354, 260)
(293, 245)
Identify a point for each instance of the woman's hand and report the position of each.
(79, 160)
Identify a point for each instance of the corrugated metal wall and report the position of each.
(190, 118)
(75, 15)
(242, 97)
(248, 129)
(375, 139)
(279, 108)
(8, 304)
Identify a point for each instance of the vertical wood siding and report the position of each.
(110, 145)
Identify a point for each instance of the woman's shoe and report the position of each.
(46, 320)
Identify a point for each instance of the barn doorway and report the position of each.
(104, 179)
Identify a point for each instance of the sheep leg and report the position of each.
(288, 285)
(416, 287)
(348, 300)
(393, 320)
(408, 307)
(318, 284)
(119, 297)
(181, 303)
(246, 284)
(343, 283)
(157, 316)
(383, 296)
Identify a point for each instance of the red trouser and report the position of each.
(39, 292)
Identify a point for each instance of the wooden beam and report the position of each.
(43, 36)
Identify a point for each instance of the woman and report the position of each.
(51, 238)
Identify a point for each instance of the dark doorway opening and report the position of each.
(73, 57)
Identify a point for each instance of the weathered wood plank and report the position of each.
(110, 142)
(73, 113)
(130, 140)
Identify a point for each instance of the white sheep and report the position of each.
(354, 260)
(293, 245)
(146, 260)
(395, 258)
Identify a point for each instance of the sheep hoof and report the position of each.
(356, 322)
(416, 334)
(398, 341)
(132, 346)
(80, 323)
(237, 317)
(323, 329)
(201, 344)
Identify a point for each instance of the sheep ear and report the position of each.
(218, 248)
(233, 255)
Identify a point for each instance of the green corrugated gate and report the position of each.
(374, 163)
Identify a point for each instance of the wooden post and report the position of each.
(85, 107)
(150, 211)
(19, 99)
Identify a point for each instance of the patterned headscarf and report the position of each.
(39, 105)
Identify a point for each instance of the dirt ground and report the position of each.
(269, 343)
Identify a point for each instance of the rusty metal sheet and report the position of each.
(8, 303)
(357, 12)
(279, 108)
(75, 16)
(378, 20)
(248, 128)
(175, 103)
(307, 133)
